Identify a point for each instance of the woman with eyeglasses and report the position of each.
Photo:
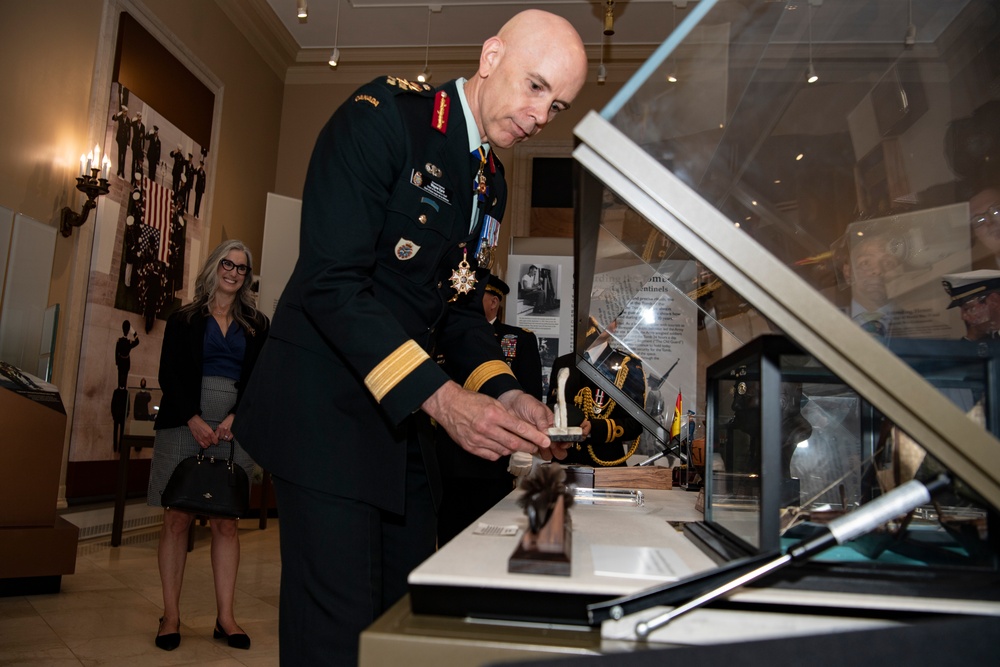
(209, 349)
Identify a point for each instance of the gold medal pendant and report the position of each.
(463, 280)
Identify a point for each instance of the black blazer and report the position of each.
(181, 366)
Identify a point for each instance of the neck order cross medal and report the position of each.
(463, 279)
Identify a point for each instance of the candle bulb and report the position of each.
(90, 161)
(106, 170)
(83, 165)
(97, 156)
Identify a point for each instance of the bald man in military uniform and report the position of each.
(401, 205)
(614, 433)
(472, 485)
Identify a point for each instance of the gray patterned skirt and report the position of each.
(172, 445)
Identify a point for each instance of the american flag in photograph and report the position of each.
(158, 213)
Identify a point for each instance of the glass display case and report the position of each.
(723, 196)
(792, 206)
(792, 448)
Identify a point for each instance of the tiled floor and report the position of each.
(107, 612)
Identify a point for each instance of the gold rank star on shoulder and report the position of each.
(406, 85)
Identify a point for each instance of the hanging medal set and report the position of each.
(463, 279)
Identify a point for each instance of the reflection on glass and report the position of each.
(874, 184)
(879, 186)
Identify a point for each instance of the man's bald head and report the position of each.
(529, 72)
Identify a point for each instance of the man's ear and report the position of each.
(490, 56)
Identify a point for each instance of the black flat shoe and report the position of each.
(168, 642)
(235, 640)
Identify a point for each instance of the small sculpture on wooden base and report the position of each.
(546, 545)
(562, 431)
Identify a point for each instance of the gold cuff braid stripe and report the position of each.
(391, 370)
(486, 372)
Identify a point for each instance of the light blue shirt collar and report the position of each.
(470, 121)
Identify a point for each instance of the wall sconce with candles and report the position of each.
(93, 182)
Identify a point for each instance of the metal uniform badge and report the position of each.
(463, 280)
(488, 238)
(406, 249)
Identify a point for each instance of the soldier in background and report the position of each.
(472, 485)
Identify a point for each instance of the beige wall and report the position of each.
(307, 107)
(57, 56)
(46, 79)
(55, 80)
(247, 140)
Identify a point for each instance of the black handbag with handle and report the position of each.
(209, 485)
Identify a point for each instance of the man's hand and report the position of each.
(532, 410)
(485, 426)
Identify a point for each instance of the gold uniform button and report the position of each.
(422, 219)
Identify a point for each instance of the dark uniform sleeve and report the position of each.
(349, 213)
(470, 346)
(353, 170)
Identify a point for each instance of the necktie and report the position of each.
(480, 185)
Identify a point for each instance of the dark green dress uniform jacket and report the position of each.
(385, 220)
(614, 430)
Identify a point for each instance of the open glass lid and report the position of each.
(827, 171)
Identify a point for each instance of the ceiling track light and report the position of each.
(302, 10)
(335, 54)
(672, 74)
(425, 75)
(602, 71)
(910, 38)
(811, 76)
(609, 17)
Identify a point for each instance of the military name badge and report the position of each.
(406, 249)
(430, 186)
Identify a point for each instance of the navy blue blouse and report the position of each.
(222, 356)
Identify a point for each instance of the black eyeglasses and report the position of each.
(229, 266)
(990, 216)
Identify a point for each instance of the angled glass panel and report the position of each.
(786, 216)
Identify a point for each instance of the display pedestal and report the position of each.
(36, 546)
(549, 550)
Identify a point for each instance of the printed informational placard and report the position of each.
(541, 301)
(657, 323)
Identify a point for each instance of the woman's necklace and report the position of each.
(224, 312)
